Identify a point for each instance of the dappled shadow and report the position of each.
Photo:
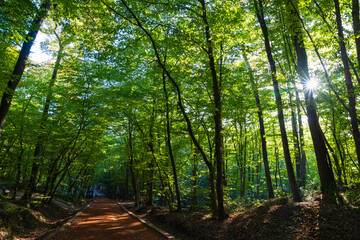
(105, 220)
(274, 219)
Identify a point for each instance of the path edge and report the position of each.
(51, 233)
(147, 223)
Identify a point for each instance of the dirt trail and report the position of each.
(105, 220)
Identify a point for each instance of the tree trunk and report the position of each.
(168, 142)
(150, 180)
(356, 27)
(42, 131)
(132, 172)
(348, 81)
(194, 195)
(244, 165)
(294, 124)
(21, 62)
(327, 179)
(302, 140)
(262, 129)
(217, 117)
(289, 167)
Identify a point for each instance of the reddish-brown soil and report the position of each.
(105, 220)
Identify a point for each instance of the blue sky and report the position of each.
(36, 53)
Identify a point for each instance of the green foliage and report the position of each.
(106, 123)
(352, 195)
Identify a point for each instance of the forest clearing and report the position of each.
(216, 119)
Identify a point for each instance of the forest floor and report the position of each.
(272, 219)
(20, 220)
(104, 219)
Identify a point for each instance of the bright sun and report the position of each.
(312, 84)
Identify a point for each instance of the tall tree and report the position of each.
(262, 128)
(328, 183)
(42, 130)
(356, 27)
(168, 142)
(21, 62)
(290, 170)
(217, 114)
(348, 81)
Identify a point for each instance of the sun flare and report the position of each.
(311, 84)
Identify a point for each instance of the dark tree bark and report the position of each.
(356, 27)
(217, 116)
(21, 62)
(262, 129)
(348, 82)
(289, 167)
(327, 179)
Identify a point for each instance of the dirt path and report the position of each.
(104, 219)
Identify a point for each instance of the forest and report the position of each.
(196, 105)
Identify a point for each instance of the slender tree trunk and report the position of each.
(276, 153)
(336, 161)
(356, 27)
(334, 134)
(21, 62)
(168, 142)
(217, 116)
(42, 131)
(132, 172)
(348, 81)
(289, 167)
(126, 190)
(262, 129)
(194, 194)
(294, 121)
(327, 179)
(150, 180)
(52, 194)
(294, 126)
(22, 150)
(244, 165)
(302, 140)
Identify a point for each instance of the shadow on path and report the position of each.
(105, 220)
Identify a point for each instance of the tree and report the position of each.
(348, 80)
(262, 129)
(21, 62)
(260, 15)
(328, 183)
